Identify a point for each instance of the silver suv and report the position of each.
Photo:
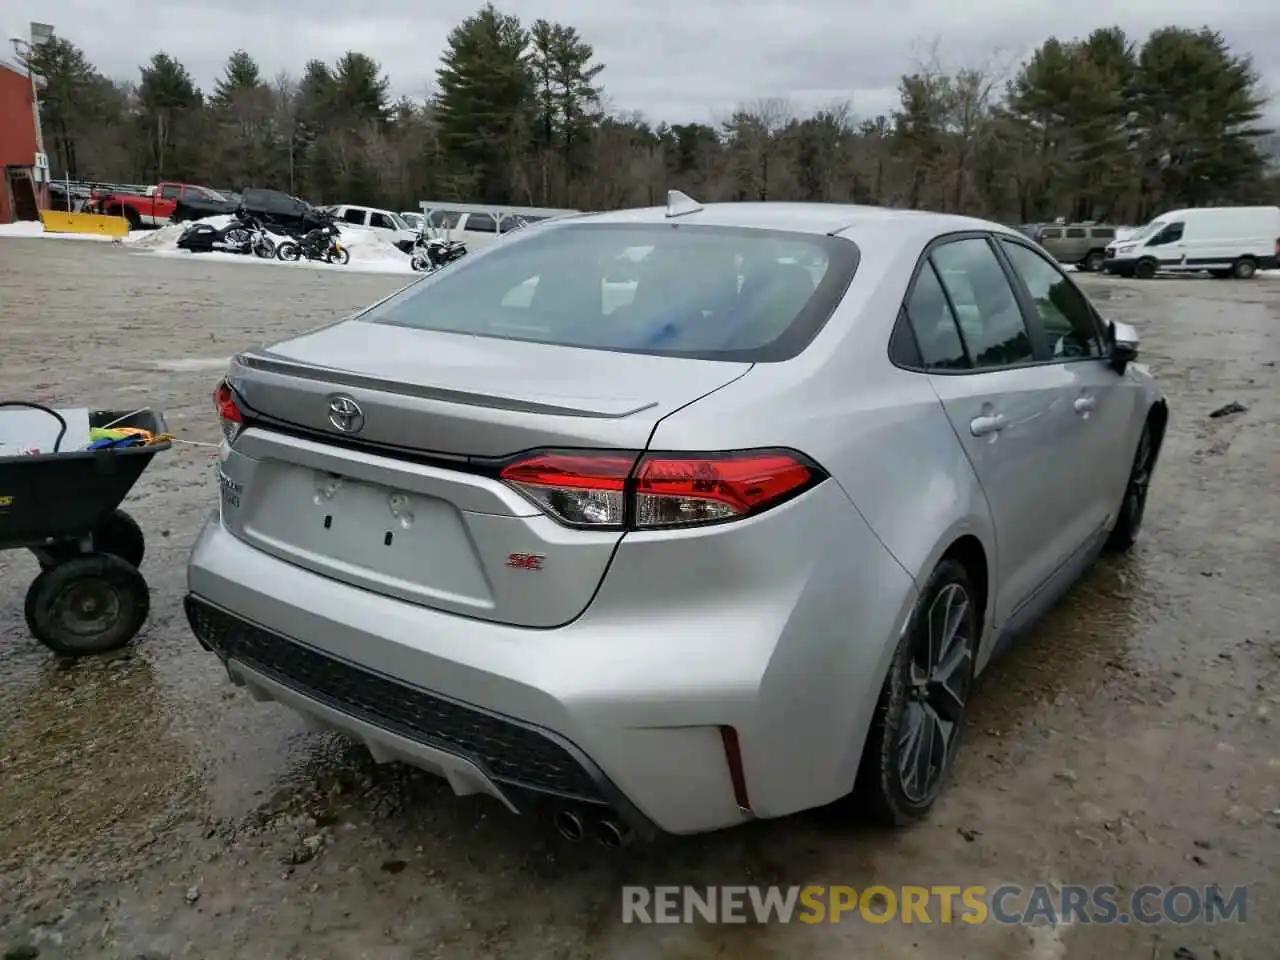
(1080, 244)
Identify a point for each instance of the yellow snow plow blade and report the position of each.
(56, 221)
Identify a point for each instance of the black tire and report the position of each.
(264, 248)
(916, 697)
(1134, 505)
(341, 257)
(419, 264)
(92, 604)
(135, 220)
(1095, 261)
(288, 251)
(1145, 269)
(118, 535)
(1245, 268)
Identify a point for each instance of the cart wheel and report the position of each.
(91, 604)
(118, 535)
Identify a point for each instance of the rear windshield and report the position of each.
(664, 289)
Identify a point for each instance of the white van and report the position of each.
(1222, 241)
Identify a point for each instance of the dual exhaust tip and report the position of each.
(608, 833)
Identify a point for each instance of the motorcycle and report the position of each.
(246, 234)
(243, 235)
(318, 244)
(431, 253)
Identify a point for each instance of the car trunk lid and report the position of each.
(407, 503)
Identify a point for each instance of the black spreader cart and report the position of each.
(64, 507)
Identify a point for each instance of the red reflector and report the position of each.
(224, 403)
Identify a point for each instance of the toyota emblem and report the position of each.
(345, 414)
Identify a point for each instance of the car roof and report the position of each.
(815, 218)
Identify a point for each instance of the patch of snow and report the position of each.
(32, 229)
(370, 253)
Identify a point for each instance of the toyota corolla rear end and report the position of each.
(449, 528)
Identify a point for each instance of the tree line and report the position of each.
(1104, 127)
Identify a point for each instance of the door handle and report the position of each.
(982, 426)
(1085, 404)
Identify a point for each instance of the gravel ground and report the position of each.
(148, 809)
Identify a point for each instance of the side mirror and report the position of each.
(1122, 343)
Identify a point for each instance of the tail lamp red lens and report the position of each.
(657, 490)
(228, 411)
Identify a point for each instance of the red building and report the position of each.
(24, 187)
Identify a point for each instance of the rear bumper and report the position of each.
(619, 712)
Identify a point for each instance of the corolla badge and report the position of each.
(345, 414)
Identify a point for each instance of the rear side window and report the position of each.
(170, 191)
(1064, 312)
(1077, 233)
(480, 223)
(713, 293)
(934, 325)
(1103, 233)
(991, 322)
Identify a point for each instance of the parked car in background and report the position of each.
(1082, 245)
(414, 220)
(723, 550)
(154, 207)
(1222, 241)
(390, 226)
(281, 212)
(481, 226)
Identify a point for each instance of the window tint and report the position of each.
(1170, 234)
(692, 291)
(934, 324)
(1076, 233)
(480, 223)
(1052, 233)
(1064, 312)
(990, 320)
(382, 220)
(353, 215)
(170, 191)
(1103, 233)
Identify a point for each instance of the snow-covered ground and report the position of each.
(370, 253)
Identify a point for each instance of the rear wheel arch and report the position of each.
(1158, 422)
(969, 552)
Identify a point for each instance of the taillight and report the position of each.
(229, 415)
(1278, 248)
(614, 490)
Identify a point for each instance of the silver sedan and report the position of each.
(668, 519)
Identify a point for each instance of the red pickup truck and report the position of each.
(155, 206)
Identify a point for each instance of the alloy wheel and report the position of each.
(939, 681)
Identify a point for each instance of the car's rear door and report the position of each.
(1098, 415)
(1000, 406)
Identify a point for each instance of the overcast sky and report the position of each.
(674, 60)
